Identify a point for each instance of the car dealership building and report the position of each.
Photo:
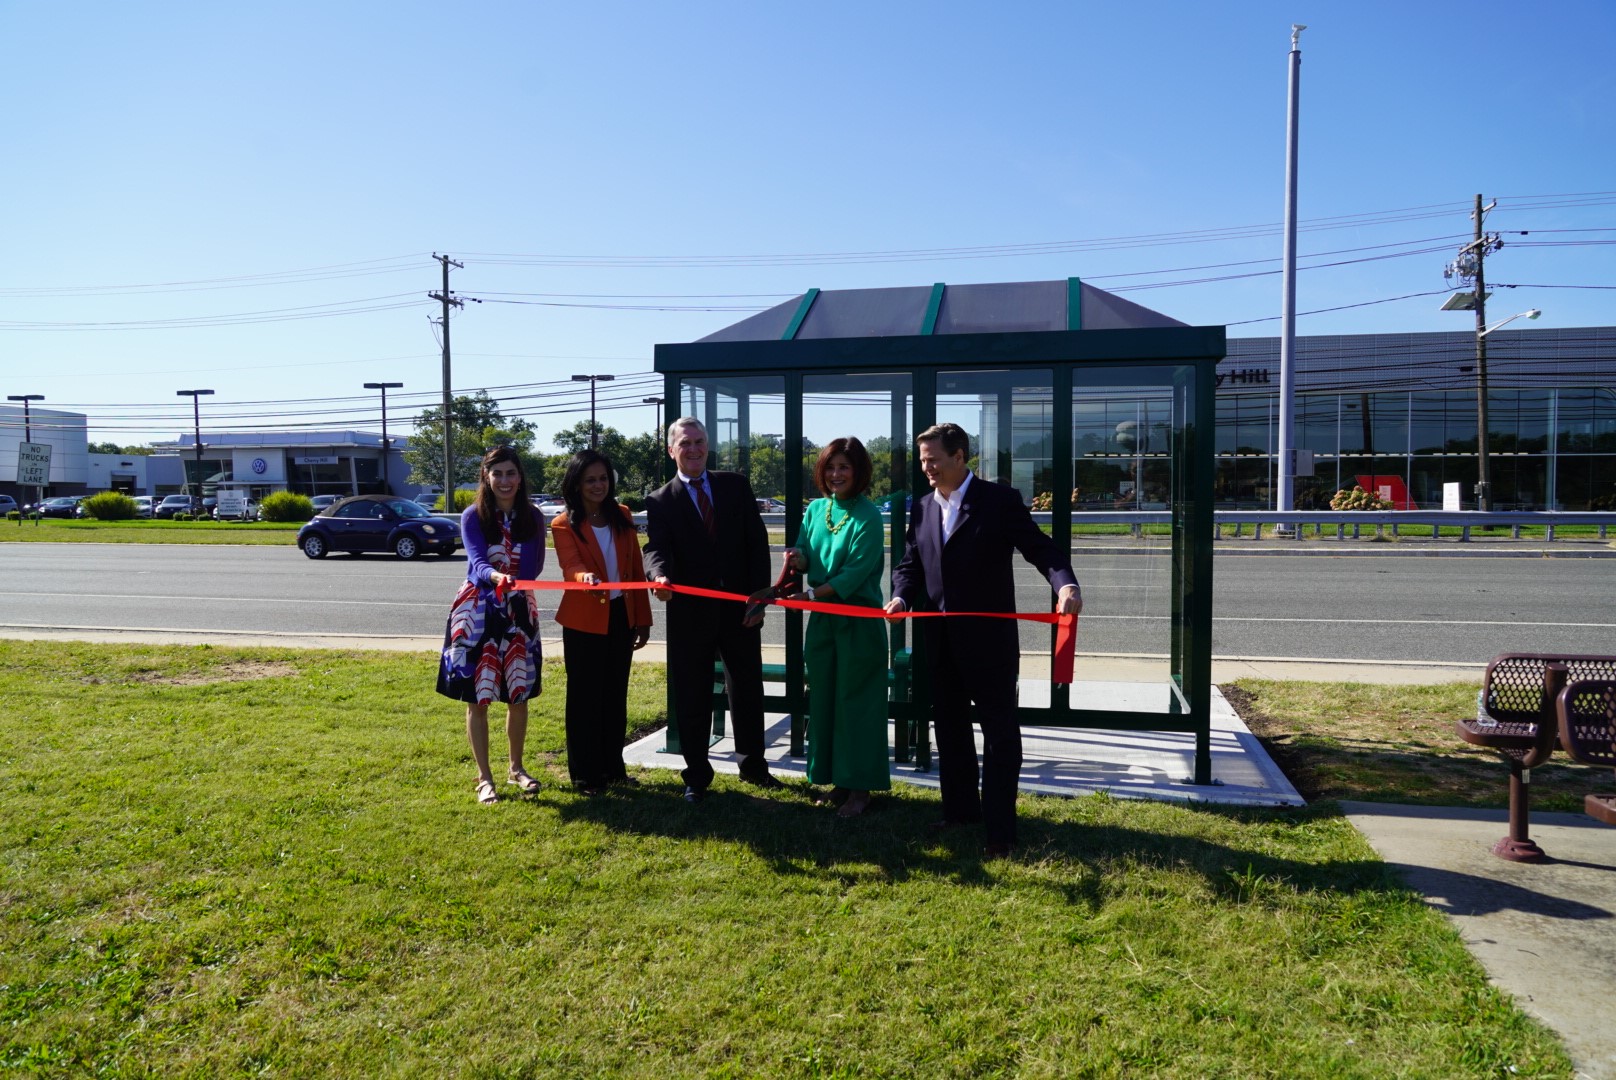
(1401, 408)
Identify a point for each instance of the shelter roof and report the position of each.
(1001, 307)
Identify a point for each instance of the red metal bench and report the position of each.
(1587, 714)
(1517, 716)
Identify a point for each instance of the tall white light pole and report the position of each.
(1287, 342)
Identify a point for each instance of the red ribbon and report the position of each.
(1065, 625)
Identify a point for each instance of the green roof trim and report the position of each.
(933, 306)
(1074, 304)
(808, 299)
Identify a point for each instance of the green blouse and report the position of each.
(844, 550)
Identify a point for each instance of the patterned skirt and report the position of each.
(491, 650)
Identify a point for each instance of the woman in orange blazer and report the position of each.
(595, 541)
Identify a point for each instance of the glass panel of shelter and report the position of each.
(1125, 423)
(1125, 427)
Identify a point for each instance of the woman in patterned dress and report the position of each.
(840, 552)
(491, 645)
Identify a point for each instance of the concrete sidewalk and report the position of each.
(1544, 932)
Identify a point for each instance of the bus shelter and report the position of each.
(1079, 399)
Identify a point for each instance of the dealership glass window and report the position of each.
(1245, 424)
(1428, 423)
(1317, 418)
(1586, 420)
(1520, 482)
(1586, 482)
(1533, 409)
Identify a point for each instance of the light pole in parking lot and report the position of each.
(196, 419)
(594, 433)
(387, 489)
(27, 437)
(661, 435)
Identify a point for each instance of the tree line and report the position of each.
(641, 459)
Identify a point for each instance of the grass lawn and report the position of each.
(229, 861)
(1394, 744)
(59, 531)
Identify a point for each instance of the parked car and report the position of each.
(771, 506)
(379, 523)
(174, 504)
(144, 506)
(325, 502)
(8, 504)
(62, 506)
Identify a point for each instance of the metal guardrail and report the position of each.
(1356, 520)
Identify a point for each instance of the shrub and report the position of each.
(286, 506)
(109, 506)
(1356, 498)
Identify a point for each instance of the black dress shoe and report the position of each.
(765, 780)
(695, 795)
(998, 851)
(945, 825)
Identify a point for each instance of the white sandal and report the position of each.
(522, 780)
(486, 793)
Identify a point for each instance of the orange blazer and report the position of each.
(580, 555)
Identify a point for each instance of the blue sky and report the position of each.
(614, 175)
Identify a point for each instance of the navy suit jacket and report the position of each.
(678, 548)
(974, 570)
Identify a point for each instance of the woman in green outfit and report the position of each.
(840, 553)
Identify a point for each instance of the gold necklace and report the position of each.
(846, 517)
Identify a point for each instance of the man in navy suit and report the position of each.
(703, 528)
(958, 557)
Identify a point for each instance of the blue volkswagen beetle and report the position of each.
(379, 523)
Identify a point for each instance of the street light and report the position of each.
(196, 417)
(594, 434)
(1534, 313)
(1476, 301)
(661, 435)
(27, 430)
(387, 488)
(27, 434)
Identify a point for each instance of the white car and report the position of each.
(143, 506)
(249, 512)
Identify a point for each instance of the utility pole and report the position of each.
(449, 300)
(1471, 265)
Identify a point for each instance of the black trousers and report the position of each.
(698, 630)
(958, 683)
(597, 698)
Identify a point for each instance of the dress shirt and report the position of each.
(691, 483)
(950, 505)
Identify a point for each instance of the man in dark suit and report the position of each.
(958, 557)
(703, 528)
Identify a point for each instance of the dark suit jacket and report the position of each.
(974, 571)
(678, 548)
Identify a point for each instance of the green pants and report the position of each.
(847, 702)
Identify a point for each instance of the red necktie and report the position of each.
(706, 506)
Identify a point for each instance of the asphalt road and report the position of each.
(1367, 604)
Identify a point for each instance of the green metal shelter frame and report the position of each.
(787, 357)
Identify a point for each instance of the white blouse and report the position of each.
(606, 537)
